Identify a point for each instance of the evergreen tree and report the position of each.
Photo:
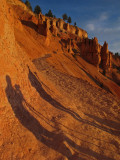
(28, 5)
(49, 14)
(75, 24)
(69, 20)
(65, 17)
(37, 10)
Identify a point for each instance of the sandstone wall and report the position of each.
(96, 54)
(56, 25)
(90, 51)
(43, 26)
(67, 45)
(72, 29)
(79, 32)
(60, 24)
(84, 34)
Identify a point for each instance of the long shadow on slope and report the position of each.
(37, 85)
(50, 139)
(29, 24)
(109, 123)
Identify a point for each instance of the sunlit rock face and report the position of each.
(96, 54)
(90, 51)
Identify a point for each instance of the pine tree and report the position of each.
(75, 24)
(28, 5)
(37, 10)
(49, 14)
(69, 20)
(65, 17)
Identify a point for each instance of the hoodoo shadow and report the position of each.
(30, 24)
(37, 85)
(109, 123)
(50, 139)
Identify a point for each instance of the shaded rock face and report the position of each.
(96, 54)
(43, 26)
(33, 19)
(106, 57)
(90, 51)
(67, 27)
(67, 45)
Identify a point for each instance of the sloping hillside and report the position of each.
(52, 106)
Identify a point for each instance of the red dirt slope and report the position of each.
(51, 106)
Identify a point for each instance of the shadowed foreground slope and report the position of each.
(50, 139)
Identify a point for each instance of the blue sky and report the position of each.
(100, 18)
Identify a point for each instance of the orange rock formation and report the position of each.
(90, 51)
(96, 54)
(53, 106)
(58, 24)
(106, 57)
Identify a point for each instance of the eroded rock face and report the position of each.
(58, 25)
(67, 27)
(90, 51)
(72, 29)
(96, 54)
(67, 45)
(53, 27)
(106, 57)
(79, 32)
(84, 34)
(43, 26)
(33, 19)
